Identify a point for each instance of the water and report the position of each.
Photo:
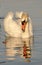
(9, 53)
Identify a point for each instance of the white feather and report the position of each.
(18, 14)
(11, 27)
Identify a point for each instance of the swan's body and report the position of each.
(12, 29)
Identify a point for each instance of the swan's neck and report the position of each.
(26, 29)
(26, 33)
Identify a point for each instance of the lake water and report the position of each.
(9, 53)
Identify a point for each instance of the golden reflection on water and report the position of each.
(18, 47)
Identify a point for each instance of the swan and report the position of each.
(19, 28)
(11, 28)
(25, 20)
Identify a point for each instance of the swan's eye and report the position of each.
(23, 22)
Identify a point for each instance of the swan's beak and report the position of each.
(23, 25)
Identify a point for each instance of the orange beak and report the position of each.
(23, 26)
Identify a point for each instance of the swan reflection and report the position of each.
(18, 47)
(27, 47)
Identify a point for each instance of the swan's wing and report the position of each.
(8, 21)
(11, 27)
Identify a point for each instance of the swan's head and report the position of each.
(10, 15)
(24, 17)
(24, 20)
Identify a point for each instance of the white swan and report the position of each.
(11, 28)
(28, 27)
(20, 28)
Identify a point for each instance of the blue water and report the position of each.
(12, 56)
